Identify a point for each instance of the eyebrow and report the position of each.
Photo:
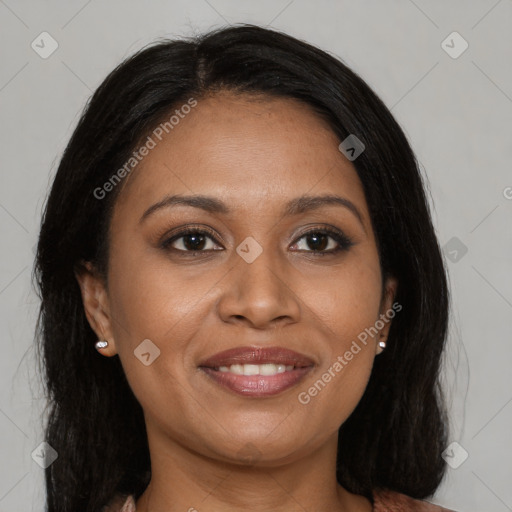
(295, 206)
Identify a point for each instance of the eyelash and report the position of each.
(344, 242)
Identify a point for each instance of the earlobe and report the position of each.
(96, 306)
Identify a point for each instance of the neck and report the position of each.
(183, 480)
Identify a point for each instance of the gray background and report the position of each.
(456, 112)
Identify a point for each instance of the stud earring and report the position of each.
(382, 344)
(101, 344)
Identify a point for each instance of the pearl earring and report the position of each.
(101, 344)
(382, 344)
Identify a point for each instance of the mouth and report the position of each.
(257, 372)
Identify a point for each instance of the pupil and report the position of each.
(318, 236)
(197, 244)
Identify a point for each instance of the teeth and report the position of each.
(251, 369)
(256, 369)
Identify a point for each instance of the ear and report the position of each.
(387, 312)
(96, 305)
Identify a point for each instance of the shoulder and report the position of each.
(390, 501)
(120, 503)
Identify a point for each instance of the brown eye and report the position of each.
(191, 240)
(323, 241)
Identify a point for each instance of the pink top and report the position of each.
(384, 501)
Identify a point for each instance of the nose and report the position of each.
(259, 294)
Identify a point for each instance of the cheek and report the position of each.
(154, 298)
(334, 404)
(155, 314)
(347, 308)
(333, 393)
(167, 306)
(347, 300)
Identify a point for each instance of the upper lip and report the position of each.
(257, 355)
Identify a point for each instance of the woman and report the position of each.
(239, 227)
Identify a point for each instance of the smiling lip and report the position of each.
(257, 385)
(257, 355)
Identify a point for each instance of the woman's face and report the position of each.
(255, 280)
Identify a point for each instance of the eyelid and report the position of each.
(178, 233)
(325, 228)
(338, 235)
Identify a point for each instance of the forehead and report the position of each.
(244, 149)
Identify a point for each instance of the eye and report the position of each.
(321, 241)
(318, 240)
(191, 240)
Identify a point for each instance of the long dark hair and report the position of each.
(395, 436)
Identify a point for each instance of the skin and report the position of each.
(254, 154)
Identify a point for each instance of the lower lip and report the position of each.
(258, 385)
